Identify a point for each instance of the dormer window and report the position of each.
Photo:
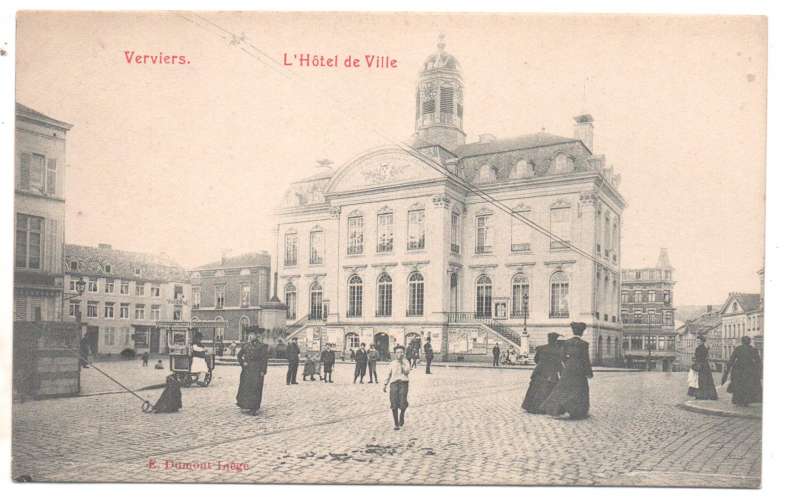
(73, 266)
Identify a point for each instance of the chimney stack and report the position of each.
(584, 130)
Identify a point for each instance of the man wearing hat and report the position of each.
(571, 394)
(545, 375)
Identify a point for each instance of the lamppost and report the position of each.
(525, 312)
(80, 288)
(648, 342)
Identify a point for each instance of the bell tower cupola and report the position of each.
(439, 100)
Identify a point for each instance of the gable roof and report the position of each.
(747, 301)
(703, 324)
(91, 261)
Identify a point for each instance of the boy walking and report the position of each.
(398, 380)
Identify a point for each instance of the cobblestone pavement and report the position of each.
(129, 373)
(464, 426)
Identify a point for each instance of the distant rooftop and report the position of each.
(23, 110)
(103, 260)
(250, 259)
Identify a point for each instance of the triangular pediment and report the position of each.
(388, 166)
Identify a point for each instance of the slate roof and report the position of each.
(703, 323)
(250, 259)
(540, 139)
(21, 109)
(91, 261)
(748, 301)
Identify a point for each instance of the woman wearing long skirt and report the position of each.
(700, 364)
(545, 375)
(171, 399)
(745, 369)
(253, 359)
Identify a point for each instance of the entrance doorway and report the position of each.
(155, 340)
(382, 343)
(92, 339)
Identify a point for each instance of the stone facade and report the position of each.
(39, 206)
(741, 315)
(647, 312)
(126, 294)
(387, 248)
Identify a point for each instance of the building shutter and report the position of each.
(20, 309)
(51, 175)
(24, 171)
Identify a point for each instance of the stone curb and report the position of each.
(691, 406)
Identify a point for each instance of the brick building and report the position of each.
(39, 208)
(647, 313)
(126, 294)
(236, 290)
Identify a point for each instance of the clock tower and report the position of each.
(440, 100)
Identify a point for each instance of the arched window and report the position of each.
(351, 341)
(520, 296)
(245, 324)
(355, 297)
(562, 164)
(316, 302)
(290, 299)
(522, 170)
(219, 331)
(560, 294)
(416, 294)
(486, 174)
(384, 295)
(484, 294)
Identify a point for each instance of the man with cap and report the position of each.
(496, 354)
(328, 361)
(293, 358)
(360, 363)
(545, 375)
(428, 348)
(571, 394)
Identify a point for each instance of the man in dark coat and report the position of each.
(293, 357)
(360, 363)
(545, 374)
(571, 394)
(373, 357)
(328, 361)
(84, 351)
(496, 353)
(428, 348)
(745, 370)
(253, 360)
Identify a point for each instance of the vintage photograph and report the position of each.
(490, 249)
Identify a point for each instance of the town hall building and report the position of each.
(470, 245)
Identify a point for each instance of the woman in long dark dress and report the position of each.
(171, 399)
(545, 375)
(745, 369)
(700, 363)
(253, 359)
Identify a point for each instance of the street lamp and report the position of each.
(525, 312)
(80, 288)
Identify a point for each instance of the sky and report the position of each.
(192, 159)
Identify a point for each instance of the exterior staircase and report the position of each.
(493, 327)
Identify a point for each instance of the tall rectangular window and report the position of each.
(51, 176)
(416, 295)
(560, 294)
(139, 311)
(560, 227)
(355, 240)
(196, 292)
(290, 250)
(455, 233)
(220, 291)
(124, 288)
(483, 238)
(140, 290)
(521, 232)
(124, 311)
(416, 240)
(155, 312)
(92, 309)
(155, 291)
(37, 172)
(520, 297)
(29, 241)
(384, 228)
(384, 296)
(317, 247)
(245, 296)
(109, 310)
(74, 308)
(109, 286)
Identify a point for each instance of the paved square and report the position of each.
(464, 426)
